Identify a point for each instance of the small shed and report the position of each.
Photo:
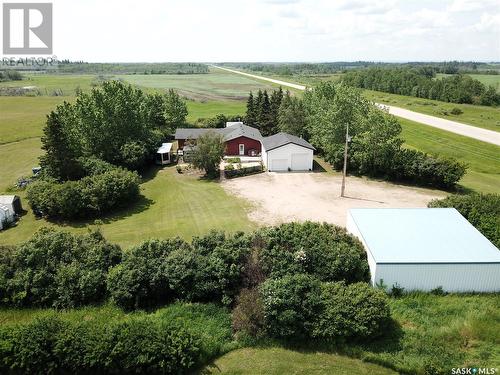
(6, 216)
(426, 248)
(164, 154)
(12, 202)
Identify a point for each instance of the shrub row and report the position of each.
(482, 211)
(88, 197)
(208, 269)
(301, 306)
(57, 269)
(231, 172)
(407, 165)
(137, 345)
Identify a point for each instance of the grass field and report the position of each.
(483, 159)
(215, 86)
(280, 361)
(48, 84)
(441, 331)
(172, 205)
(476, 115)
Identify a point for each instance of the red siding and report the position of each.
(232, 146)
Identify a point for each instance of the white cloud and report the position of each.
(275, 30)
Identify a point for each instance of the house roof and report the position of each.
(282, 139)
(230, 132)
(165, 148)
(422, 235)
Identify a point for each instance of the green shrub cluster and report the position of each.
(325, 251)
(232, 172)
(137, 345)
(155, 272)
(482, 211)
(104, 188)
(301, 306)
(57, 269)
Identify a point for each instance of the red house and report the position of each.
(240, 139)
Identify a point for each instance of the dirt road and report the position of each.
(470, 131)
(285, 197)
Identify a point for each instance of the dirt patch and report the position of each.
(284, 197)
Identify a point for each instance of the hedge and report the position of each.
(482, 211)
(325, 251)
(300, 306)
(90, 196)
(244, 171)
(57, 269)
(137, 345)
(209, 269)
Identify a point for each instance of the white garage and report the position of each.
(283, 152)
(426, 248)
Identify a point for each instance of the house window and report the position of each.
(242, 149)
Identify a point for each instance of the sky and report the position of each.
(276, 30)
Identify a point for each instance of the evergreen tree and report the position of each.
(275, 101)
(264, 116)
(251, 116)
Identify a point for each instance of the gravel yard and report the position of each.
(283, 197)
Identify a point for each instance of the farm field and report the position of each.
(52, 84)
(480, 116)
(483, 159)
(215, 86)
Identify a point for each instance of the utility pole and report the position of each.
(345, 160)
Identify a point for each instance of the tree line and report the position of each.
(421, 83)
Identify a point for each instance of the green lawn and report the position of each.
(483, 158)
(172, 205)
(279, 361)
(476, 115)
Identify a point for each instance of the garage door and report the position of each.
(301, 162)
(278, 165)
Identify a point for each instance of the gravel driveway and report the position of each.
(283, 197)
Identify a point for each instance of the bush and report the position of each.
(142, 280)
(291, 305)
(323, 250)
(210, 270)
(133, 155)
(248, 315)
(482, 211)
(351, 312)
(139, 344)
(56, 268)
(300, 306)
(456, 111)
(419, 168)
(231, 172)
(89, 197)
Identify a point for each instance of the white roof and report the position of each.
(422, 235)
(165, 148)
(7, 199)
